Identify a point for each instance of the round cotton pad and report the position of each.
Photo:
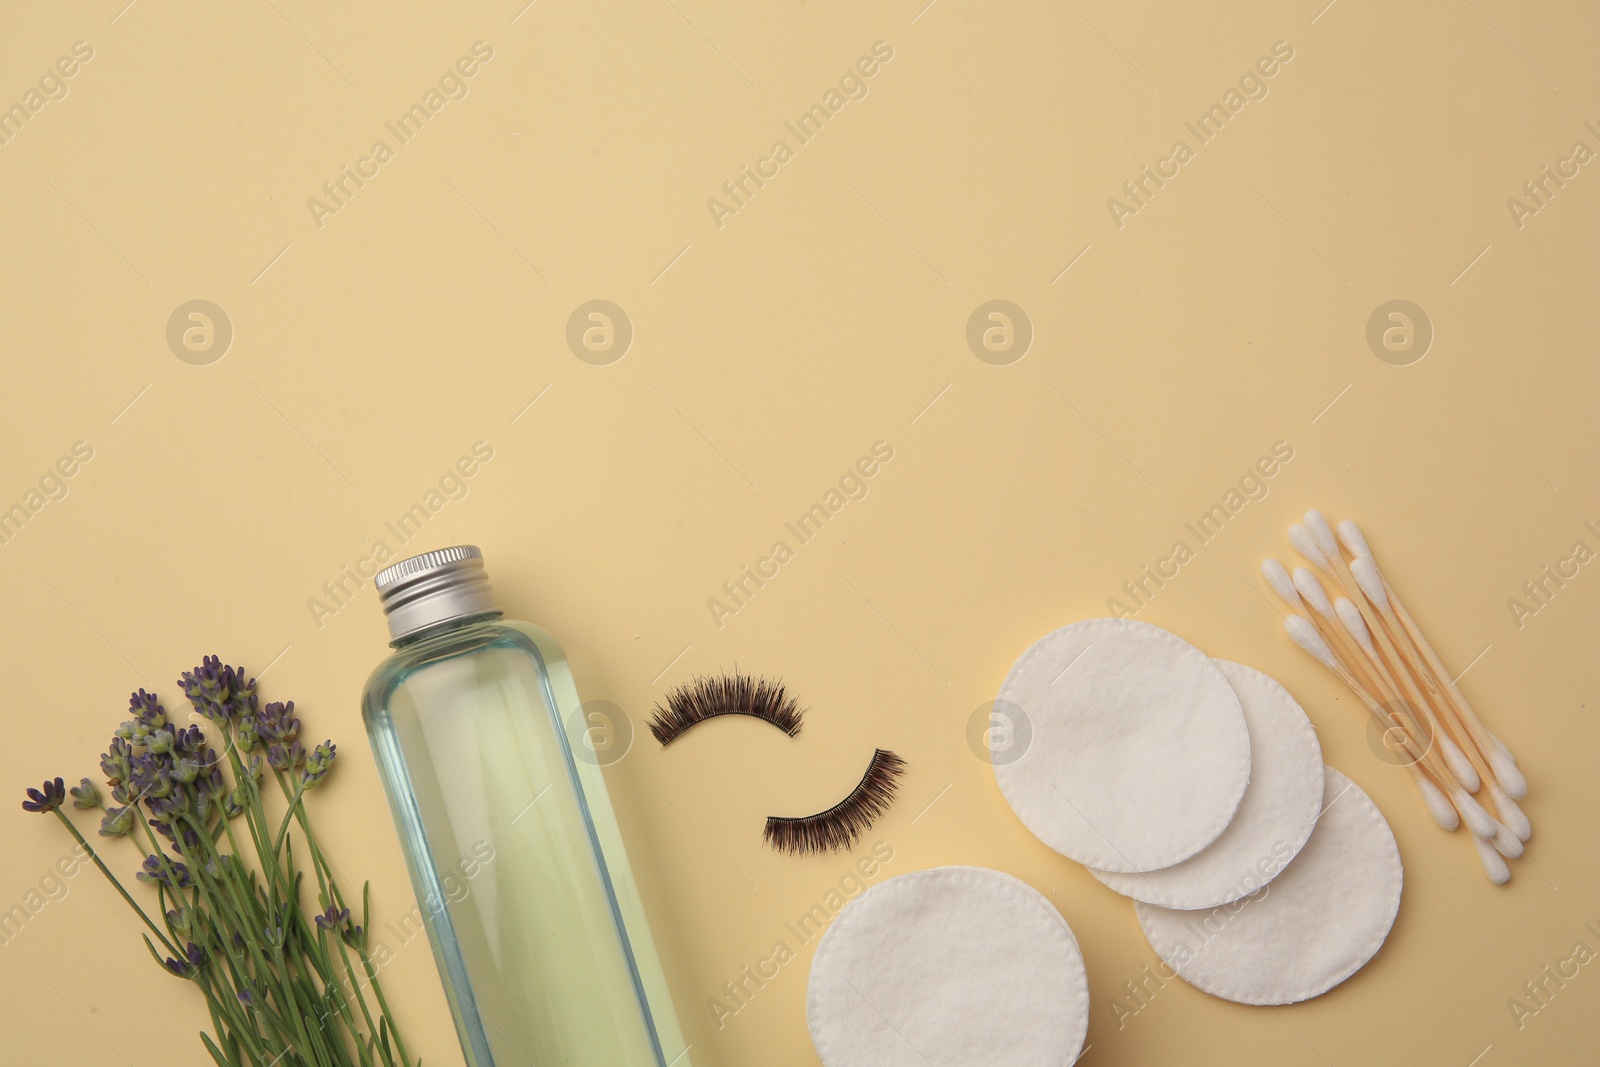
(1314, 926)
(1138, 752)
(955, 965)
(1274, 819)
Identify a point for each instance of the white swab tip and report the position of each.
(1353, 539)
(1472, 814)
(1277, 576)
(1305, 635)
(1437, 805)
(1322, 533)
(1306, 545)
(1313, 592)
(1513, 817)
(1459, 765)
(1507, 843)
(1493, 865)
(1350, 615)
(1371, 583)
(1506, 772)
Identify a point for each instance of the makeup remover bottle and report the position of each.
(508, 833)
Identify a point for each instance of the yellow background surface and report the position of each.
(374, 344)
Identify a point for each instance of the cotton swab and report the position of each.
(1365, 636)
(1365, 572)
(1495, 751)
(1349, 616)
(1351, 536)
(1443, 810)
(1493, 865)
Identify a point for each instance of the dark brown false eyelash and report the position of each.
(840, 826)
(726, 694)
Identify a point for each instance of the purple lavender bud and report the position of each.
(319, 763)
(115, 762)
(155, 873)
(147, 710)
(187, 741)
(334, 918)
(285, 759)
(189, 966)
(48, 797)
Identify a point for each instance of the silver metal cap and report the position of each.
(435, 587)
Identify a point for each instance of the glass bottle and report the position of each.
(508, 832)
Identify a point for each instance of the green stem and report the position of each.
(330, 887)
(98, 862)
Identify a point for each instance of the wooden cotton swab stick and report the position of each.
(1495, 752)
(1351, 536)
(1447, 812)
(1512, 817)
(1350, 617)
(1465, 808)
(1381, 646)
(1310, 544)
(1370, 582)
(1464, 760)
(1350, 670)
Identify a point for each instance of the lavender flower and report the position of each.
(187, 967)
(117, 822)
(318, 763)
(155, 872)
(48, 797)
(280, 758)
(85, 795)
(188, 741)
(221, 903)
(147, 710)
(276, 722)
(219, 692)
(115, 764)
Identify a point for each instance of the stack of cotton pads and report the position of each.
(1197, 788)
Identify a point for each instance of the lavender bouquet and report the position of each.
(286, 987)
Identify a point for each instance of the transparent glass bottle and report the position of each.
(508, 832)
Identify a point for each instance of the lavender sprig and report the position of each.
(268, 966)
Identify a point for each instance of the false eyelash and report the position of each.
(727, 694)
(840, 826)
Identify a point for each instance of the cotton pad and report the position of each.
(1274, 819)
(1314, 926)
(1138, 754)
(951, 966)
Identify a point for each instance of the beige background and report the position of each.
(827, 314)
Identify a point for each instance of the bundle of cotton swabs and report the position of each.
(1366, 636)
